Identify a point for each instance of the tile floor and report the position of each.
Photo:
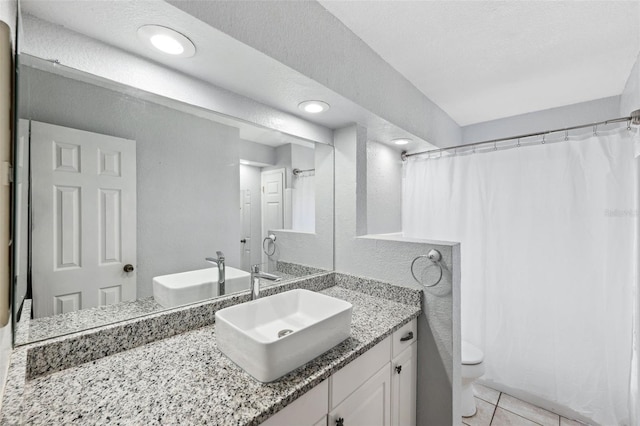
(499, 409)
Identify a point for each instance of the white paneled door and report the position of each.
(272, 202)
(245, 237)
(84, 219)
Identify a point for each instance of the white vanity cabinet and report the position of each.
(377, 388)
(403, 387)
(404, 377)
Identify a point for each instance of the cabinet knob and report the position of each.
(407, 336)
(339, 421)
(128, 267)
(398, 369)
(243, 241)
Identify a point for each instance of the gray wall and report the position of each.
(388, 258)
(256, 152)
(188, 179)
(630, 98)
(554, 118)
(302, 157)
(283, 161)
(384, 189)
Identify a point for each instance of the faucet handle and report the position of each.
(255, 268)
(220, 255)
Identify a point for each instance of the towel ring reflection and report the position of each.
(435, 256)
(272, 238)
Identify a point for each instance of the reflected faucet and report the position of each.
(221, 276)
(255, 280)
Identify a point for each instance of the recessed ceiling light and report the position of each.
(166, 40)
(401, 141)
(313, 107)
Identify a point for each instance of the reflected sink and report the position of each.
(272, 336)
(188, 287)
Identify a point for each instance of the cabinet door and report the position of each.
(403, 387)
(369, 405)
(310, 409)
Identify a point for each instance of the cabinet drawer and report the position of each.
(408, 330)
(356, 373)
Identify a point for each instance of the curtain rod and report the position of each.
(634, 118)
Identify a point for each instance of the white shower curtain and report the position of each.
(548, 238)
(304, 204)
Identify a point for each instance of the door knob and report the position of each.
(128, 267)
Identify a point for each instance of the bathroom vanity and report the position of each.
(185, 378)
(377, 388)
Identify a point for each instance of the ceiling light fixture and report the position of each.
(314, 107)
(401, 141)
(166, 40)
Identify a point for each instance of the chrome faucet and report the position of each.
(255, 280)
(221, 275)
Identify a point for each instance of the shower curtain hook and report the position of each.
(495, 147)
(595, 130)
(543, 139)
(629, 124)
(566, 135)
(518, 143)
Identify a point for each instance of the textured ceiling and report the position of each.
(484, 60)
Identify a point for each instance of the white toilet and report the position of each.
(472, 368)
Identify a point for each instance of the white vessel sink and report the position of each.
(187, 287)
(272, 336)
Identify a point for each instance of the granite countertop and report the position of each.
(185, 379)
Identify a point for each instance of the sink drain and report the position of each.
(284, 332)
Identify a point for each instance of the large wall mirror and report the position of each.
(122, 194)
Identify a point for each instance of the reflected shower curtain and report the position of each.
(304, 204)
(548, 237)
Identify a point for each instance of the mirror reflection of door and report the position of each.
(21, 261)
(245, 229)
(272, 202)
(84, 219)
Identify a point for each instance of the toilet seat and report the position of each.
(471, 355)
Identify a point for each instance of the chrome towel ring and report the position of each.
(435, 256)
(272, 238)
